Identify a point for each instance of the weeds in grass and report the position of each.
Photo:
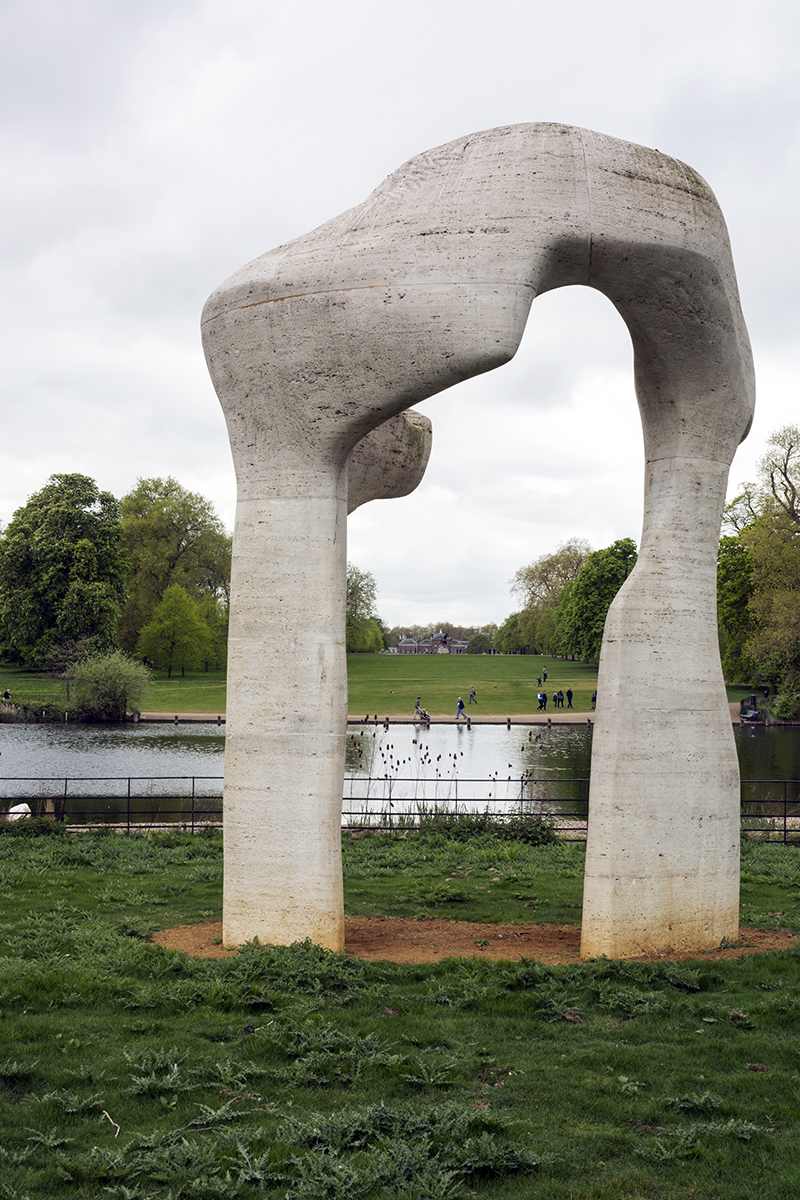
(131, 1071)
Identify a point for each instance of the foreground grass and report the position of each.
(130, 1071)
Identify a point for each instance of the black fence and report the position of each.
(770, 808)
(126, 802)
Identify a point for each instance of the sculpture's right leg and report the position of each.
(662, 861)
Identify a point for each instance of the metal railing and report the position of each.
(770, 808)
(125, 801)
(391, 801)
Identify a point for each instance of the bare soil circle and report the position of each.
(392, 939)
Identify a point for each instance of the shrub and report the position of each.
(106, 686)
(785, 706)
(35, 707)
(534, 830)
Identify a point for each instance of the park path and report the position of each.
(555, 716)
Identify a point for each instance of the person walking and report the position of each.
(569, 697)
(417, 708)
(544, 701)
(473, 699)
(540, 698)
(460, 709)
(594, 699)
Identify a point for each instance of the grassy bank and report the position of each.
(386, 684)
(197, 691)
(131, 1071)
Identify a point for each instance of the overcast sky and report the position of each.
(151, 147)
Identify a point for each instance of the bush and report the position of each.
(535, 831)
(105, 686)
(29, 708)
(785, 707)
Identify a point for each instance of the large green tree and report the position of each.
(171, 536)
(481, 643)
(586, 607)
(540, 586)
(758, 577)
(363, 628)
(62, 572)
(509, 637)
(736, 621)
(177, 635)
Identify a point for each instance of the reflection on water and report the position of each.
(411, 767)
(444, 762)
(111, 750)
(564, 751)
(480, 752)
(768, 753)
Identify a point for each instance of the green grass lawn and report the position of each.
(386, 684)
(131, 1071)
(197, 691)
(505, 684)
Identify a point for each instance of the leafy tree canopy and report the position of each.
(540, 586)
(586, 608)
(171, 536)
(62, 571)
(177, 635)
(734, 592)
(363, 627)
(481, 643)
(541, 581)
(758, 578)
(509, 637)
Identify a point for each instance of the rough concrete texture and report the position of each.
(390, 461)
(316, 344)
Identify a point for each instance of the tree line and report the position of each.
(83, 574)
(758, 580)
(566, 594)
(565, 598)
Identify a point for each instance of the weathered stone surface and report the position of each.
(390, 461)
(316, 344)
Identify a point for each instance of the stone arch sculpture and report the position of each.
(320, 345)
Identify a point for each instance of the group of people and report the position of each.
(558, 699)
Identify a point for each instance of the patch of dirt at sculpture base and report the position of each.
(390, 939)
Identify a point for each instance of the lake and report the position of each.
(407, 763)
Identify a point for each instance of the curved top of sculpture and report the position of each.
(430, 281)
